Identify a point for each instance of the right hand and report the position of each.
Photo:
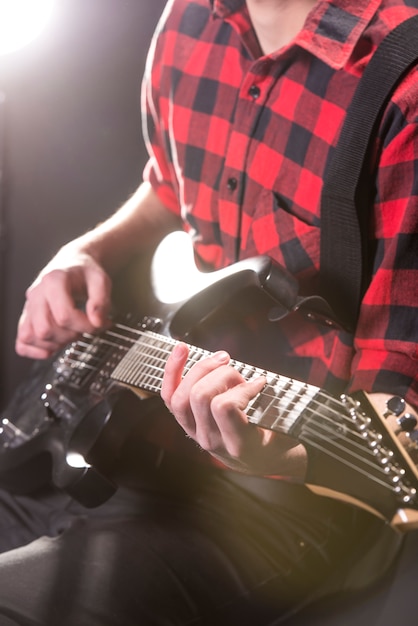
(52, 315)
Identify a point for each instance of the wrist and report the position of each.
(94, 244)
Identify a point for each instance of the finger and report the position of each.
(229, 413)
(38, 344)
(176, 390)
(174, 368)
(220, 400)
(202, 393)
(51, 308)
(173, 372)
(61, 316)
(219, 378)
(32, 352)
(98, 305)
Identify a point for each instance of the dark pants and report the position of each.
(205, 553)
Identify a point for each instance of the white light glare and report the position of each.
(74, 459)
(21, 21)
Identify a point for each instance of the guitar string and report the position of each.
(201, 352)
(316, 436)
(317, 439)
(316, 442)
(383, 482)
(238, 365)
(336, 412)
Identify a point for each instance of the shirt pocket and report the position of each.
(286, 233)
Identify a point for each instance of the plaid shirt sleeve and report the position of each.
(159, 169)
(386, 340)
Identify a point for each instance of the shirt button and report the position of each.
(232, 183)
(254, 92)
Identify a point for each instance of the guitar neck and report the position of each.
(277, 407)
(352, 455)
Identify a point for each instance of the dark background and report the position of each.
(72, 150)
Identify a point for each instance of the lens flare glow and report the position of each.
(21, 21)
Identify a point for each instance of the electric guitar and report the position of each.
(95, 389)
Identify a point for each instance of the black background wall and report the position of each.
(73, 148)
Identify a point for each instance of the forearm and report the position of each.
(137, 226)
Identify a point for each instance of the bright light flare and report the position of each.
(21, 21)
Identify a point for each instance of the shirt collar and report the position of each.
(222, 8)
(334, 27)
(331, 31)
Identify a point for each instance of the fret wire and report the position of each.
(160, 358)
(150, 350)
(136, 371)
(247, 371)
(126, 368)
(142, 347)
(285, 413)
(259, 405)
(129, 366)
(195, 355)
(288, 403)
(240, 367)
(318, 407)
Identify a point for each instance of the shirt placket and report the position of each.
(251, 97)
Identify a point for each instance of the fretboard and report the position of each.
(277, 407)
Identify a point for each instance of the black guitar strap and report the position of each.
(348, 189)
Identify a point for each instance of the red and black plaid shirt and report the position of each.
(239, 142)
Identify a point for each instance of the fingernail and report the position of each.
(178, 351)
(221, 356)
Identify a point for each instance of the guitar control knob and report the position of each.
(394, 406)
(407, 422)
(413, 438)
